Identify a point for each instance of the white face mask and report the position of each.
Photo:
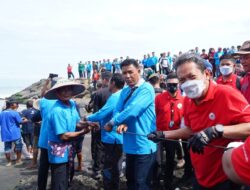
(193, 88)
(226, 70)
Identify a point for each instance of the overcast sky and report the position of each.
(42, 36)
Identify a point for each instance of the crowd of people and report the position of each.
(142, 114)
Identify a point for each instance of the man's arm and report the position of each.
(236, 131)
(71, 135)
(135, 108)
(182, 133)
(103, 112)
(45, 87)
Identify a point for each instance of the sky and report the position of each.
(38, 37)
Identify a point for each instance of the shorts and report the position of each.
(241, 162)
(28, 139)
(78, 144)
(35, 142)
(18, 145)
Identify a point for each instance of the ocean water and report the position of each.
(11, 86)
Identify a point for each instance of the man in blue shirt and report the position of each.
(145, 61)
(10, 131)
(152, 62)
(108, 66)
(89, 70)
(135, 114)
(45, 109)
(62, 126)
(111, 140)
(28, 127)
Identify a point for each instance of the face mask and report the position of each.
(193, 88)
(172, 87)
(226, 70)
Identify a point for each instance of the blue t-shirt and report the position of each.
(103, 116)
(108, 66)
(145, 62)
(138, 113)
(45, 108)
(117, 65)
(89, 67)
(62, 119)
(9, 124)
(217, 56)
(28, 128)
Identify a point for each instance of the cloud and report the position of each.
(38, 37)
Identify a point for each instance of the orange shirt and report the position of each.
(168, 109)
(221, 105)
(231, 81)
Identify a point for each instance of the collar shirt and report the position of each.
(169, 111)
(103, 116)
(231, 81)
(138, 113)
(221, 105)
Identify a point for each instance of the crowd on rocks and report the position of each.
(145, 116)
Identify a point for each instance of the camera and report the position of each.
(52, 75)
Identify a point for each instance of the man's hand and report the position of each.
(156, 136)
(201, 139)
(122, 128)
(95, 126)
(82, 124)
(109, 126)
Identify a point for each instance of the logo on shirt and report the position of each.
(179, 106)
(211, 116)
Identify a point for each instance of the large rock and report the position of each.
(34, 90)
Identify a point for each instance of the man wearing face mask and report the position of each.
(169, 111)
(205, 120)
(227, 65)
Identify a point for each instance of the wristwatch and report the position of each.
(219, 129)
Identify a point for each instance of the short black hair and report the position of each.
(29, 104)
(228, 57)
(172, 75)
(154, 80)
(128, 62)
(118, 79)
(191, 57)
(106, 75)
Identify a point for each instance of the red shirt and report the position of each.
(95, 76)
(168, 109)
(241, 161)
(245, 86)
(221, 105)
(231, 81)
(69, 69)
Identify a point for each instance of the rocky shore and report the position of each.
(34, 91)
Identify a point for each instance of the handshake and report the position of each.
(87, 126)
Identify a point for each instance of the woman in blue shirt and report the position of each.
(63, 121)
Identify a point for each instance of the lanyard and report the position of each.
(171, 123)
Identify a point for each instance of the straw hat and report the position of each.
(244, 49)
(77, 88)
